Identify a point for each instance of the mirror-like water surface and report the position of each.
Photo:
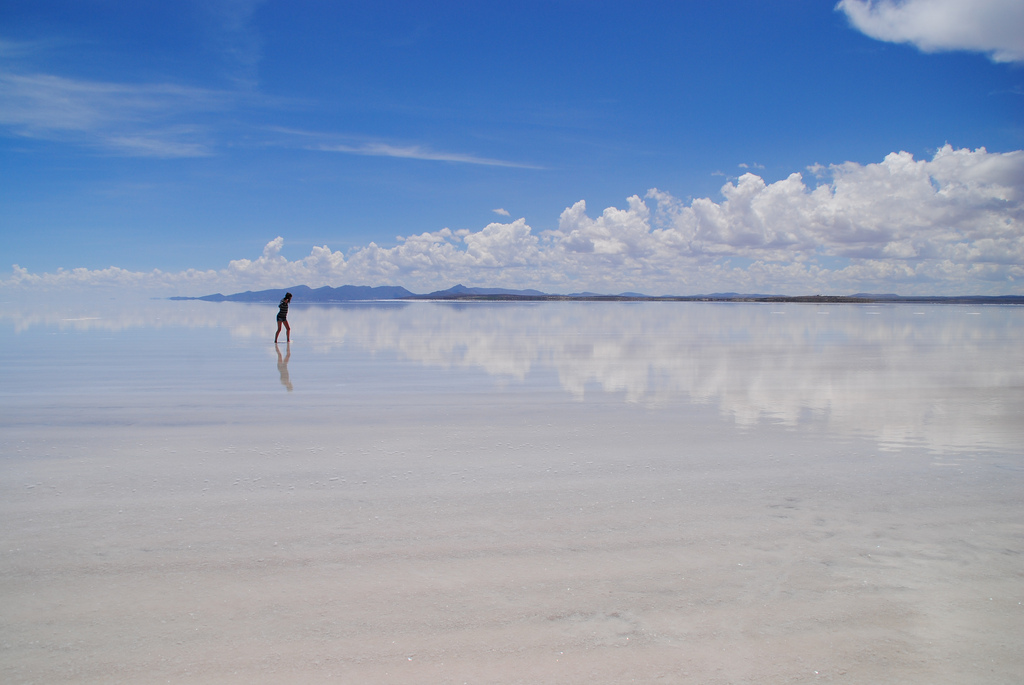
(507, 493)
(948, 377)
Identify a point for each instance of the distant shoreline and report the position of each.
(812, 299)
(303, 294)
(515, 297)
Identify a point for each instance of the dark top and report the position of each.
(283, 307)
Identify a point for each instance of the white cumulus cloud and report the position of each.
(953, 224)
(994, 27)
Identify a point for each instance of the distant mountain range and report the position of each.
(357, 293)
(303, 293)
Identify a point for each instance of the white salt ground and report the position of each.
(382, 527)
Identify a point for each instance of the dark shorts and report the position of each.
(281, 319)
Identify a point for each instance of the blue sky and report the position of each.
(167, 146)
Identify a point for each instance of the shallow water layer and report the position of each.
(502, 493)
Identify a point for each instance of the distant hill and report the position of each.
(303, 293)
(462, 291)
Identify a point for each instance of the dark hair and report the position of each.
(287, 296)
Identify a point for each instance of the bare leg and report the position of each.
(288, 331)
(278, 332)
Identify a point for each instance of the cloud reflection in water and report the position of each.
(941, 375)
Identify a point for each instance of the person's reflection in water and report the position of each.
(282, 365)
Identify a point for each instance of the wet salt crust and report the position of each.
(554, 493)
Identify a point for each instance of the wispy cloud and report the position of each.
(157, 144)
(1015, 90)
(418, 152)
(132, 119)
(165, 120)
(993, 27)
(501, 211)
(334, 142)
(13, 49)
(237, 38)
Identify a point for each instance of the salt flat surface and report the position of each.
(512, 493)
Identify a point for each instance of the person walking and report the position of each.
(282, 318)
